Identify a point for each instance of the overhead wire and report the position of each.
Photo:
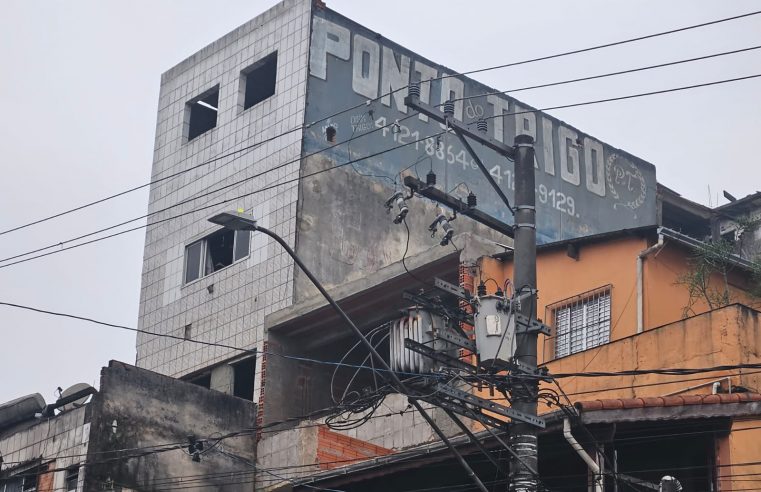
(22, 260)
(195, 210)
(231, 185)
(360, 105)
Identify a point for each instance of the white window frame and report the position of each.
(575, 318)
(202, 260)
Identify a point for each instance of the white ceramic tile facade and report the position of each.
(246, 291)
(62, 438)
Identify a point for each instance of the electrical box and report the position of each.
(495, 331)
(424, 327)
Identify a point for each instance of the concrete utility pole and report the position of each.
(523, 438)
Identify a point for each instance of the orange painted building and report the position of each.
(618, 302)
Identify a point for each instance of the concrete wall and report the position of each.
(137, 409)
(345, 234)
(243, 293)
(57, 442)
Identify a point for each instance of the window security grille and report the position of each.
(582, 324)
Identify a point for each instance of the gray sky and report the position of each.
(79, 85)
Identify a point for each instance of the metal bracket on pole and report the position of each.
(458, 205)
(449, 312)
(438, 356)
(530, 325)
(451, 288)
(490, 405)
(457, 340)
(483, 169)
(433, 113)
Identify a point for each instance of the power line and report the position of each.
(610, 74)
(622, 98)
(324, 170)
(593, 374)
(258, 353)
(293, 180)
(227, 186)
(615, 43)
(470, 72)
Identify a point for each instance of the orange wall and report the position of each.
(613, 262)
(744, 447)
(665, 299)
(560, 277)
(730, 335)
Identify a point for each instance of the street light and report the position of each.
(235, 221)
(242, 222)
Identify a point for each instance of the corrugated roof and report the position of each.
(666, 401)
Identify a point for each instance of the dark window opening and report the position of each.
(259, 80)
(219, 250)
(243, 378)
(30, 479)
(72, 477)
(203, 113)
(188, 331)
(330, 134)
(215, 252)
(202, 380)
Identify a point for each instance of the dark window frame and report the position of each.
(72, 474)
(201, 268)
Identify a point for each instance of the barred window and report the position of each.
(583, 323)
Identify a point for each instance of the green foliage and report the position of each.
(709, 261)
(708, 276)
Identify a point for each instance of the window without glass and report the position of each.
(201, 113)
(243, 378)
(258, 81)
(582, 324)
(215, 252)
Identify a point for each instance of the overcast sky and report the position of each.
(79, 84)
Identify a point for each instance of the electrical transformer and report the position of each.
(495, 331)
(422, 326)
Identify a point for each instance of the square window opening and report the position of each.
(243, 378)
(201, 113)
(258, 81)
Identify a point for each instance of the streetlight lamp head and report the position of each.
(234, 221)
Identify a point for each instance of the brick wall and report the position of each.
(335, 450)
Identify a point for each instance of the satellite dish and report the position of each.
(71, 390)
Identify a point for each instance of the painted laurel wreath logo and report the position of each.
(624, 178)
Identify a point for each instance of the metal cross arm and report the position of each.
(435, 114)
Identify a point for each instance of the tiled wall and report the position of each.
(231, 313)
(60, 441)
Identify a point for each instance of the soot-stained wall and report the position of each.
(137, 408)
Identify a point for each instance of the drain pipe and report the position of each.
(593, 466)
(640, 286)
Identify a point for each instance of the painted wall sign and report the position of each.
(584, 186)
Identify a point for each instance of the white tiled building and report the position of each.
(227, 306)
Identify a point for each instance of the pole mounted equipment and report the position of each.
(400, 201)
